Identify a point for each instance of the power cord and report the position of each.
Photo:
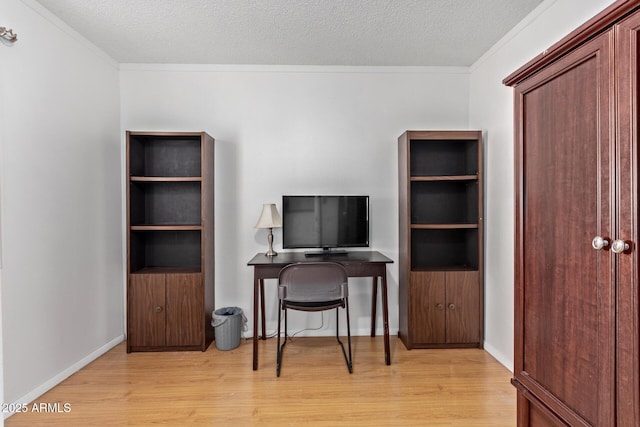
(275, 333)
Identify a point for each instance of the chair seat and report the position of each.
(313, 305)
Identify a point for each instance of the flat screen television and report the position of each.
(325, 222)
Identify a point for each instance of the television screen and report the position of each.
(325, 221)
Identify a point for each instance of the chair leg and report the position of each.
(348, 359)
(349, 336)
(281, 348)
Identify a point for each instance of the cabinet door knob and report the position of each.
(452, 306)
(158, 309)
(599, 242)
(619, 246)
(440, 306)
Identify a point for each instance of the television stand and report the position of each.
(326, 252)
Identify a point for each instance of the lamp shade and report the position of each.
(270, 218)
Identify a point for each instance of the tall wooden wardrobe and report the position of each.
(576, 234)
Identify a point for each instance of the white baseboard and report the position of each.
(505, 361)
(48, 385)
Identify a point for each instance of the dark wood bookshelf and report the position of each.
(441, 235)
(170, 252)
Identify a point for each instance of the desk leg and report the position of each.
(385, 319)
(264, 324)
(256, 290)
(374, 301)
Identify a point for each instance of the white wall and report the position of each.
(296, 130)
(491, 109)
(62, 270)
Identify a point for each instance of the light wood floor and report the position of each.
(462, 387)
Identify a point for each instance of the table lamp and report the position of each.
(269, 218)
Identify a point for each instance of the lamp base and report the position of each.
(270, 252)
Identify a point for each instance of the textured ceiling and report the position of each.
(293, 32)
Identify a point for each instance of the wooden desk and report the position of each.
(357, 263)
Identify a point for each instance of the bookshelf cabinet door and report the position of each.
(428, 307)
(147, 310)
(185, 303)
(463, 302)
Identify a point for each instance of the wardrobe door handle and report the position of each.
(452, 306)
(440, 306)
(599, 242)
(619, 246)
(158, 309)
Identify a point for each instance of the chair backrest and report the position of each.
(313, 282)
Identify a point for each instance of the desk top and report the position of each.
(351, 257)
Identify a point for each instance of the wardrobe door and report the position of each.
(565, 314)
(627, 359)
